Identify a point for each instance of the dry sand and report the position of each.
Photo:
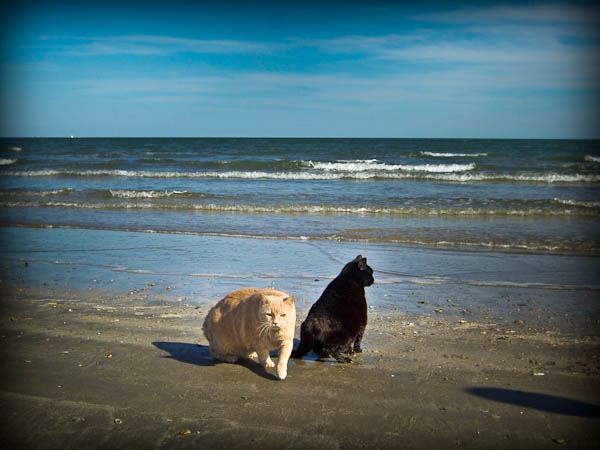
(90, 373)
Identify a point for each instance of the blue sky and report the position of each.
(351, 69)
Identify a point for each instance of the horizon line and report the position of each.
(304, 137)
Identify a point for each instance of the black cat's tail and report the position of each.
(305, 345)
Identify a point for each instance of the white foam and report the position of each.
(440, 168)
(357, 165)
(144, 194)
(484, 244)
(526, 178)
(453, 155)
(374, 165)
(15, 149)
(591, 158)
(7, 162)
(580, 203)
(311, 209)
(359, 175)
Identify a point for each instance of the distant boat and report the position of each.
(72, 137)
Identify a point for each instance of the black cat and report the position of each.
(336, 322)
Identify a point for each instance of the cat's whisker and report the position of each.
(260, 328)
(263, 329)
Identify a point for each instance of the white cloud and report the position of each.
(155, 45)
(540, 55)
(265, 88)
(203, 45)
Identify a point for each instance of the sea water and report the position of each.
(525, 195)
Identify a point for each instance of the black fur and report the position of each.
(336, 322)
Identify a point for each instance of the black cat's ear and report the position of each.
(362, 264)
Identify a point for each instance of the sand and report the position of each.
(94, 373)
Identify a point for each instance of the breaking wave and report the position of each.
(128, 193)
(578, 203)
(586, 209)
(453, 155)
(548, 177)
(374, 165)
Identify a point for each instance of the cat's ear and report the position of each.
(362, 263)
(289, 300)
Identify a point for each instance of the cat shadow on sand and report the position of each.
(200, 355)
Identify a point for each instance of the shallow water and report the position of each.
(201, 269)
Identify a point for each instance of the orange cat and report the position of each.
(249, 321)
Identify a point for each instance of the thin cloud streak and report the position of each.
(444, 86)
(156, 45)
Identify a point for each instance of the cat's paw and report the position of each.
(357, 349)
(343, 359)
(269, 363)
(281, 373)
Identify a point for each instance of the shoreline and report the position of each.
(205, 267)
(93, 373)
(435, 237)
(459, 247)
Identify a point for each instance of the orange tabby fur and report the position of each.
(252, 320)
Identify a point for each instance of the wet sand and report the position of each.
(93, 372)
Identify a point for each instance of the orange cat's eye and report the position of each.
(282, 315)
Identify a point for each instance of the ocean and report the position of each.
(474, 219)
(512, 195)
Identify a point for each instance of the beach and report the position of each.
(483, 319)
(96, 356)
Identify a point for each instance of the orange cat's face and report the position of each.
(276, 313)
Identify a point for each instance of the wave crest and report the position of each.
(128, 193)
(548, 177)
(418, 211)
(374, 165)
(453, 155)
